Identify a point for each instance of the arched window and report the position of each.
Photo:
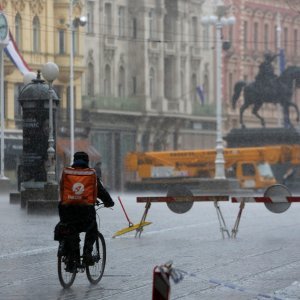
(151, 83)
(18, 30)
(121, 86)
(36, 34)
(90, 80)
(107, 81)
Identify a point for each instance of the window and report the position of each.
(108, 18)
(182, 85)
(295, 41)
(134, 28)
(245, 35)
(151, 83)
(18, 30)
(36, 34)
(18, 109)
(194, 88)
(206, 88)
(255, 37)
(107, 81)
(266, 37)
(75, 45)
(206, 37)
(195, 29)
(230, 86)
(134, 85)
(121, 21)
(285, 38)
(230, 34)
(275, 38)
(90, 17)
(151, 34)
(121, 86)
(61, 41)
(90, 80)
(248, 169)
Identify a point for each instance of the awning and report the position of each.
(63, 148)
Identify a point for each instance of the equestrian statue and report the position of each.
(268, 88)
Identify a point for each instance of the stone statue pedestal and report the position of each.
(258, 137)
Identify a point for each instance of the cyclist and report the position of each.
(79, 189)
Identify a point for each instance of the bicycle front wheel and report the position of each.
(66, 276)
(95, 272)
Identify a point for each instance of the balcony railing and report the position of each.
(208, 110)
(133, 104)
(80, 115)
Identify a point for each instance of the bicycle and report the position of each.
(94, 272)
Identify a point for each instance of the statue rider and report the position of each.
(265, 79)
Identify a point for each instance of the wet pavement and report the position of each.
(264, 260)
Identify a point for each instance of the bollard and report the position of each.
(161, 283)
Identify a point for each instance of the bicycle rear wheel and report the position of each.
(66, 278)
(94, 273)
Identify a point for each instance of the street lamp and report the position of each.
(3, 43)
(74, 23)
(50, 72)
(219, 21)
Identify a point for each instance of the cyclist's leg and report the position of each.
(73, 250)
(90, 238)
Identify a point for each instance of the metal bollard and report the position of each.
(161, 283)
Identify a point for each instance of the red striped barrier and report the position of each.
(182, 199)
(266, 199)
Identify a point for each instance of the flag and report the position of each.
(200, 94)
(15, 56)
(281, 60)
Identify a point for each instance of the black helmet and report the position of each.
(81, 156)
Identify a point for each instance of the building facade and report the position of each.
(145, 60)
(42, 33)
(262, 26)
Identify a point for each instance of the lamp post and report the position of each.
(74, 23)
(3, 43)
(50, 72)
(219, 21)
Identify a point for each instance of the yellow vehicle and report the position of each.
(250, 166)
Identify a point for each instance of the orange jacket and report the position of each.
(78, 186)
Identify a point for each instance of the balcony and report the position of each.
(133, 104)
(196, 52)
(208, 110)
(153, 46)
(170, 48)
(109, 42)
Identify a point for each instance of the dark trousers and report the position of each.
(82, 219)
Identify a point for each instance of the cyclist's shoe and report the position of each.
(70, 267)
(88, 259)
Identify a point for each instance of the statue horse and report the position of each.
(281, 93)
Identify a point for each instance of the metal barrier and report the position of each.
(277, 198)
